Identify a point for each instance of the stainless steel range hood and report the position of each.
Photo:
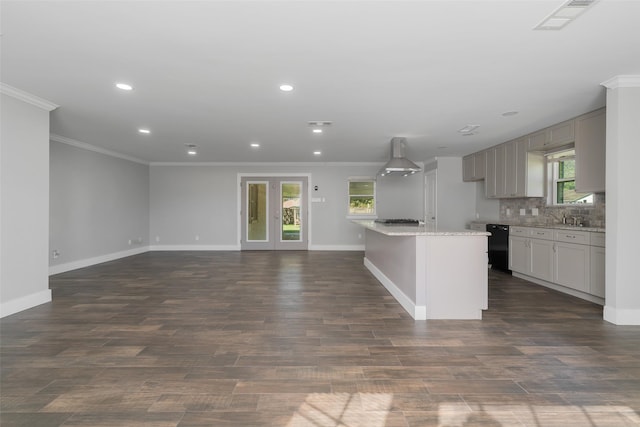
(399, 164)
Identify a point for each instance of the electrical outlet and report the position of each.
(157, 239)
(197, 237)
(130, 242)
(55, 254)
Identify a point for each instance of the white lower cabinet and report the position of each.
(597, 276)
(542, 259)
(529, 255)
(559, 257)
(519, 254)
(571, 266)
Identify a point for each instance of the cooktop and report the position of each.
(398, 221)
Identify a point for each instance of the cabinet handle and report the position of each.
(539, 233)
(554, 247)
(569, 236)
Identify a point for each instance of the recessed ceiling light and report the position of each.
(255, 145)
(192, 152)
(124, 86)
(286, 88)
(317, 153)
(317, 131)
(145, 131)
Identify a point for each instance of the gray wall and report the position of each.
(24, 180)
(190, 200)
(401, 196)
(456, 199)
(486, 209)
(98, 203)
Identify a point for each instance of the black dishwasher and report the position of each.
(499, 247)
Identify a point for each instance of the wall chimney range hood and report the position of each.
(399, 164)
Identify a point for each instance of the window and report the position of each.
(562, 168)
(362, 197)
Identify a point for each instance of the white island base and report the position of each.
(433, 275)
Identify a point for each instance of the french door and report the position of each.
(274, 213)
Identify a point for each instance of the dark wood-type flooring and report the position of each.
(304, 339)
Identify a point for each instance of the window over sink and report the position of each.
(561, 172)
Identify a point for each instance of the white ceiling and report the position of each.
(207, 73)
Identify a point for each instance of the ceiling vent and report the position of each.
(563, 15)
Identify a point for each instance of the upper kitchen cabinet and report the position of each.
(590, 149)
(553, 137)
(480, 163)
(525, 171)
(514, 172)
(473, 167)
(517, 168)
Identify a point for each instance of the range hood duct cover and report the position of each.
(399, 164)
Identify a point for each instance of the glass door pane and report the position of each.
(257, 210)
(291, 222)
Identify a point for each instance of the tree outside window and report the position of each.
(564, 180)
(362, 198)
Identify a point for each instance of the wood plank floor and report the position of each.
(304, 339)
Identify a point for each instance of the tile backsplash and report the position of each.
(590, 215)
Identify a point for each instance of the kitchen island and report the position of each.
(433, 274)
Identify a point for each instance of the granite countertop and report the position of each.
(552, 226)
(414, 230)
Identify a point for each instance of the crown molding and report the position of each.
(27, 97)
(85, 146)
(306, 164)
(622, 81)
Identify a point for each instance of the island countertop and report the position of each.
(414, 230)
(433, 273)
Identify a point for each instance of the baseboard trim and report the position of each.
(621, 316)
(88, 262)
(194, 248)
(560, 288)
(418, 312)
(336, 247)
(23, 303)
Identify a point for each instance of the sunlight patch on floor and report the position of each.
(372, 410)
(343, 410)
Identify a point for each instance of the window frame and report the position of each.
(372, 215)
(553, 170)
